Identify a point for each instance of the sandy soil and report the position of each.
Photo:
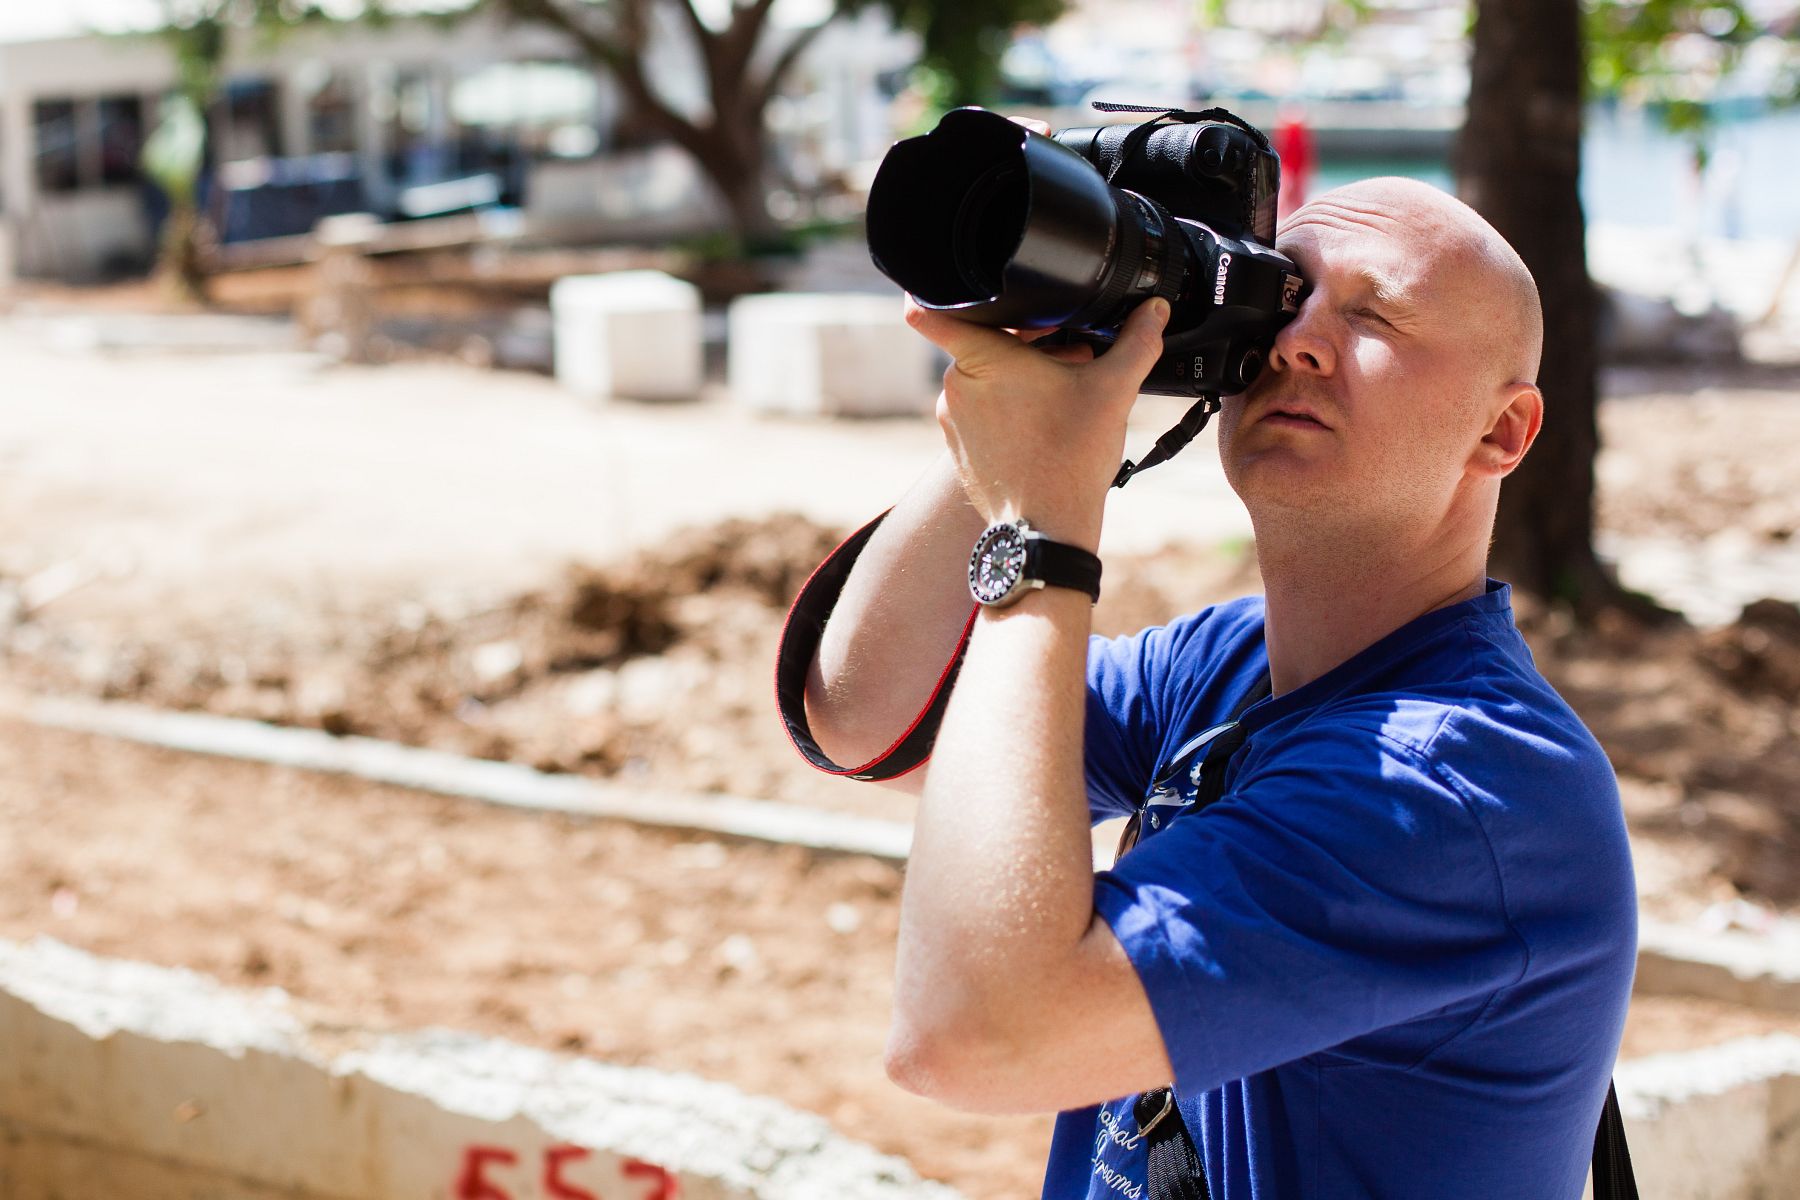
(377, 906)
(659, 669)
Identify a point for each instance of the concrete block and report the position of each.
(121, 1079)
(848, 354)
(159, 1062)
(1717, 1123)
(632, 334)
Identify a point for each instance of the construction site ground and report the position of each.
(477, 562)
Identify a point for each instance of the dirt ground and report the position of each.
(157, 546)
(380, 907)
(659, 669)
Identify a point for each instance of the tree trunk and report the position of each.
(735, 159)
(181, 258)
(1518, 163)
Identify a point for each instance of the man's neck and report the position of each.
(1323, 609)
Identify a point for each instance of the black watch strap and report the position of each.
(1059, 564)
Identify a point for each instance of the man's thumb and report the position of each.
(1139, 343)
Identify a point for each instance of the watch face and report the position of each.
(997, 564)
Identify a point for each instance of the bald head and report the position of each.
(1464, 265)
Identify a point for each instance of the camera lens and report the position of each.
(990, 218)
(1002, 226)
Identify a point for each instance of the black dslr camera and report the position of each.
(996, 224)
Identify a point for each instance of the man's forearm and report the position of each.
(897, 623)
(999, 888)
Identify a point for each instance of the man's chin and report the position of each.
(1286, 482)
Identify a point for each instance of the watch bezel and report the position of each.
(1019, 584)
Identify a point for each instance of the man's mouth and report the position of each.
(1290, 414)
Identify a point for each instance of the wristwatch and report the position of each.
(1011, 558)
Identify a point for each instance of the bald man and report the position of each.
(1393, 958)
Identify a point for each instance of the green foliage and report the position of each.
(199, 33)
(1662, 49)
(963, 42)
(1674, 55)
(173, 153)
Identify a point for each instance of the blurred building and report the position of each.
(407, 121)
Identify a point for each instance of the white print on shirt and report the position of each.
(1117, 1181)
(1111, 1129)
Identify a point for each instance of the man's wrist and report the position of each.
(1071, 529)
(1040, 602)
(1014, 557)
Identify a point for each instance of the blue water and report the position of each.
(1634, 173)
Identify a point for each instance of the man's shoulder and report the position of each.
(1498, 728)
(1193, 638)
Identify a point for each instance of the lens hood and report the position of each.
(993, 222)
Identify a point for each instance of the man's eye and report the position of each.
(1372, 315)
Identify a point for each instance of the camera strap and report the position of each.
(1173, 1169)
(1134, 141)
(1171, 443)
(1189, 427)
(800, 637)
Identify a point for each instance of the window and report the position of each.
(58, 147)
(84, 143)
(121, 138)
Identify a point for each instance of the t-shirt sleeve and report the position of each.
(1122, 719)
(1337, 890)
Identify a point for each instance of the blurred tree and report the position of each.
(199, 33)
(746, 61)
(1533, 65)
(1518, 163)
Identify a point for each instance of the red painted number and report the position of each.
(471, 1184)
(554, 1184)
(666, 1186)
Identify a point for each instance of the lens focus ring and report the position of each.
(1123, 264)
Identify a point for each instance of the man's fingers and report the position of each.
(1081, 352)
(969, 344)
(1033, 124)
(1139, 343)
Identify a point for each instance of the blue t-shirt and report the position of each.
(1393, 960)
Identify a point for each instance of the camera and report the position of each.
(996, 224)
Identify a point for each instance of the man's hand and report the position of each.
(1039, 433)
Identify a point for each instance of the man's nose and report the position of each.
(1304, 343)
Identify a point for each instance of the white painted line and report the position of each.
(1757, 969)
(1650, 1084)
(508, 784)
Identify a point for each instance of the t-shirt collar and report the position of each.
(1495, 602)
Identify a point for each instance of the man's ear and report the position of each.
(1510, 434)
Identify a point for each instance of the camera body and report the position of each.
(1003, 226)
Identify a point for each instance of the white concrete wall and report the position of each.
(121, 1079)
(80, 235)
(638, 194)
